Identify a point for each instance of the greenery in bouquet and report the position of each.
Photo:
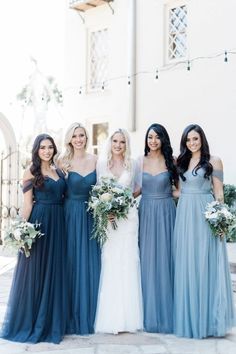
(21, 235)
(219, 218)
(108, 198)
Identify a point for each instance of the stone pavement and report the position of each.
(126, 343)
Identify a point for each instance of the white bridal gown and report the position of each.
(119, 307)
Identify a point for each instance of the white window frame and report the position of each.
(90, 123)
(88, 57)
(170, 4)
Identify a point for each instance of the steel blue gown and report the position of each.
(36, 306)
(156, 225)
(203, 298)
(83, 255)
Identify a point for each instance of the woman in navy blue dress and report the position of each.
(83, 254)
(36, 306)
(156, 226)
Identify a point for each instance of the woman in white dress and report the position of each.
(119, 307)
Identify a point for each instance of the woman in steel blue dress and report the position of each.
(36, 305)
(203, 298)
(156, 225)
(83, 254)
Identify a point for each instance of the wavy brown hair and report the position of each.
(35, 167)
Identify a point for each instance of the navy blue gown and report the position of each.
(36, 305)
(83, 255)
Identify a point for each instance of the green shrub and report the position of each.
(230, 200)
(230, 194)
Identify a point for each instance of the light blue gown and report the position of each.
(156, 224)
(83, 255)
(203, 298)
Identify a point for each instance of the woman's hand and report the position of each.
(111, 217)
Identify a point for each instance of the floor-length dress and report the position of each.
(119, 307)
(36, 305)
(83, 255)
(203, 298)
(156, 225)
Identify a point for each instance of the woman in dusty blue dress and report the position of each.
(203, 298)
(36, 305)
(156, 224)
(83, 254)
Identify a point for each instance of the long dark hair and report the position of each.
(35, 168)
(166, 150)
(185, 154)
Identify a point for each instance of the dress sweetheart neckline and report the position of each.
(83, 176)
(155, 174)
(55, 180)
(117, 177)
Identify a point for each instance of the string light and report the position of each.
(226, 57)
(164, 68)
(188, 66)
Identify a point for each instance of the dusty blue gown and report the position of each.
(36, 305)
(156, 225)
(203, 298)
(83, 255)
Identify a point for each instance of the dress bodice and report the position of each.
(125, 179)
(156, 185)
(78, 186)
(52, 192)
(128, 177)
(197, 183)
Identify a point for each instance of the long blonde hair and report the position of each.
(127, 153)
(66, 157)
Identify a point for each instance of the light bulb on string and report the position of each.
(188, 66)
(129, 81)
(156, 77)
(226, 57)
(80, 90)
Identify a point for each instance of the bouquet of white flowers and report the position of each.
(21, 234)
(108, 198)
(219, 218)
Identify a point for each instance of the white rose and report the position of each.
(17, 234)
(106, 197)
(213, 216)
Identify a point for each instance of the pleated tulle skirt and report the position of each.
(203, 298)
(156, 218)
(83, 268)
(36, 306)
(119, 307)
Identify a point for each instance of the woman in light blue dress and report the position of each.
(203, 298)
(156, 225)
(83, 254)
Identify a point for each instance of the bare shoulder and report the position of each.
(27, 175)
(59, 162)
(216, 163)
(92, 157)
